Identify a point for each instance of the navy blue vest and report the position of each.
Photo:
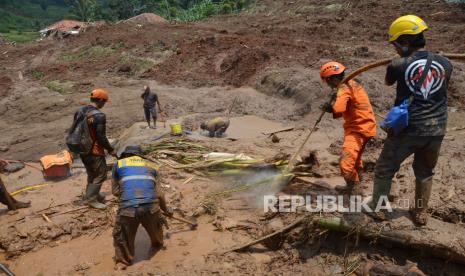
(136, 177)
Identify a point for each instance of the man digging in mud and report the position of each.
(94, 162)
(352, 103)
(140, 201)
(216, 127)
(150, 111)
(6, 198)
(427, 113)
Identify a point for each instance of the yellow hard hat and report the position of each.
(406, 25)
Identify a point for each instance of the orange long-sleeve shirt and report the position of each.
(353, 104)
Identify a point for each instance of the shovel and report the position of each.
(193, 225)
(6, 270)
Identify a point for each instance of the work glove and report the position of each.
(327, 107)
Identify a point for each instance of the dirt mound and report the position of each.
(300, 84)
(146, 18)
(242, 64)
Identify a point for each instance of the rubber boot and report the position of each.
(96, 205)
(101, 198)
(381, 187)
(22, 204)
(422, 196)
(92, 195)
(6, 199)
(348, 188)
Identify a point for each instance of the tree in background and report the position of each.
(83, 10)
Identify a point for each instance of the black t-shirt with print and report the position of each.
(150, 99)
(428, 111)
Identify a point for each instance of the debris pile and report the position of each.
(146, 18)
(65, 28)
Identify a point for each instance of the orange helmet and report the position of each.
(331, 68)
(99, 94)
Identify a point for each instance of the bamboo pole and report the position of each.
(349, 77)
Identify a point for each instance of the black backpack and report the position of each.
(79, 139)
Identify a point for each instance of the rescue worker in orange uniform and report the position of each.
(352, 103)
(95, 162)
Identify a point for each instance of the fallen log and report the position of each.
(438, 239)
(277, 232)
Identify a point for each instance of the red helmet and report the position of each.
(331, 68)
(99, 94)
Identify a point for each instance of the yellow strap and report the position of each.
(28, 189)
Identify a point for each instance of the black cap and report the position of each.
(134, 150)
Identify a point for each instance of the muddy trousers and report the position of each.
(6, 198)
(396, 149)
(150, 112)
(127, 222)
(96, 168)
(350, 162)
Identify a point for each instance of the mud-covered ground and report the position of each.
(268, 57)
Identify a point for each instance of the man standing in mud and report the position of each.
(427, 113)
(6, 198)
(95, 162)
(140, 201)
(150, 111)
(352, 103)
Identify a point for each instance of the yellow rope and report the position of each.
(28, 189)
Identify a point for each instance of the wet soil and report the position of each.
(268, 58)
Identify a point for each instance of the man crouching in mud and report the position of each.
(216, 127)
(140, 201)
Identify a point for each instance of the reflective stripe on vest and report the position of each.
(137, 177)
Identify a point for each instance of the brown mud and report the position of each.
(268, 58)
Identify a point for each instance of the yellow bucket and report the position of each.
(176, 129)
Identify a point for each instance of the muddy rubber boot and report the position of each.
(92, 195)
(8, 200)
(101, 198)
(348, 188)
(381, 187)
(422, 196)
(96, 205)
(22, 204)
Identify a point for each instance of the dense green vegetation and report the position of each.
(29, 15)
(20, 19)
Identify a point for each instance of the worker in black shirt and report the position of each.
(150, 111)
(427, 114)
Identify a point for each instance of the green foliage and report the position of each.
(118, 45)
(141, 64)
(207, 8)
(36, 74)
(83, 10)
(92, 52)
(20, 37)
(28, 15)
(56, 86)
(32, 15)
